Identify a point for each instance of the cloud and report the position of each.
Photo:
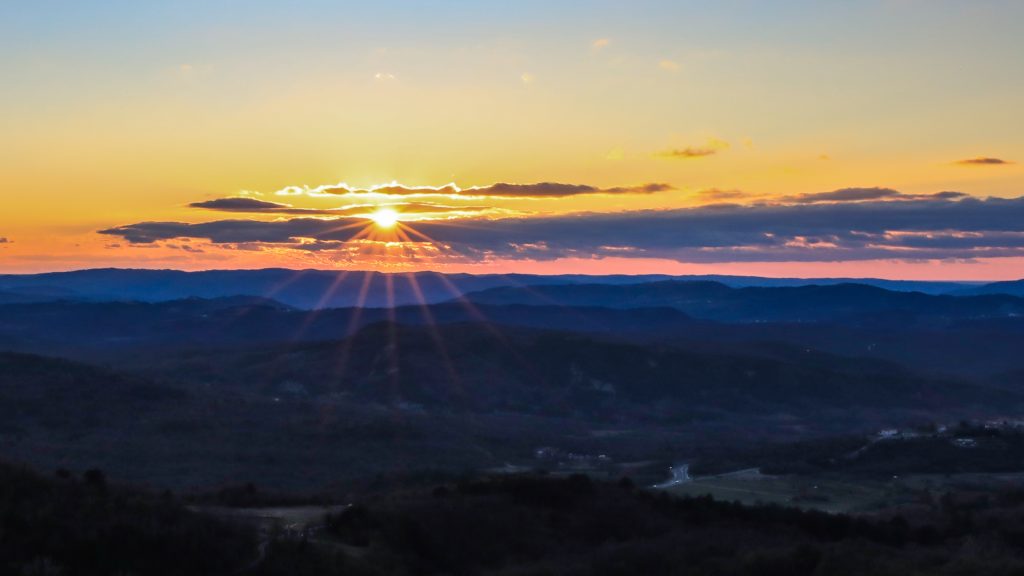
(935, 227)
(983, 161)
(645, 189)
(4, 240)
(843, 195)
(527, 78)
(252, 206)
(864, 194)
(713, 146)
(242, 204)
(600, 43)
(688, 152)
(717, 195)
(498, 190)
(668, 65)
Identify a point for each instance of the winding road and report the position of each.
(680, 475)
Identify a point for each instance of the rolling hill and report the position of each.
(715, 301)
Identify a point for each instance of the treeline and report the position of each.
(78, 524)
(534, 525)
(964, 448)
(74, 524)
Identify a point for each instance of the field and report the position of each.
(835, 494)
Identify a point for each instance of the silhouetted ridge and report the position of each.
(334, 288)
(717, 301)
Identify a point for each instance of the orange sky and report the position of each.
(125, 114)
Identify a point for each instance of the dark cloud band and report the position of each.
(929, 227)
(255, 206)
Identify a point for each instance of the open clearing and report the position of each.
(833, 493)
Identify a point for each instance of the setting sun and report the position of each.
(385, 217)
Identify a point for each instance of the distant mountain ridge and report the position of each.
(1014, 287)
(716, 301)
(651, 309)
(203, 389)
(976, 337)
(330, 289)
(92, 327)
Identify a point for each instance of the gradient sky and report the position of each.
(782, 138)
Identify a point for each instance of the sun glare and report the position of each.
(385, 217)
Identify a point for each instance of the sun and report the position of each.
(385, 217)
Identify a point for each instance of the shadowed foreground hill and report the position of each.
(73, 526)
(38, 393)
(712, 368)
(175, 433)
(405, 400)
(485, 368)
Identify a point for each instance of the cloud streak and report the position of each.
(983, 161)
(941, 226)
(843, 195)
(719, 195)
(713, 146)
(254, 206)
(865, 194)
(498, 190)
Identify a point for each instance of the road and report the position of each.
(680, 475)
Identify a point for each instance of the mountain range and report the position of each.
(196, 390)
(323, 288)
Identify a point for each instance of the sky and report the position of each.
(791, 138)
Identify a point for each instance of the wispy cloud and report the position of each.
(245, 204)
(498, 190)
(690, 152)
(719, 195)
(712, 147)
(254, 206)
(842, 195)
(982, 161)
(864, 194)
(668, 65)
(600, 43)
